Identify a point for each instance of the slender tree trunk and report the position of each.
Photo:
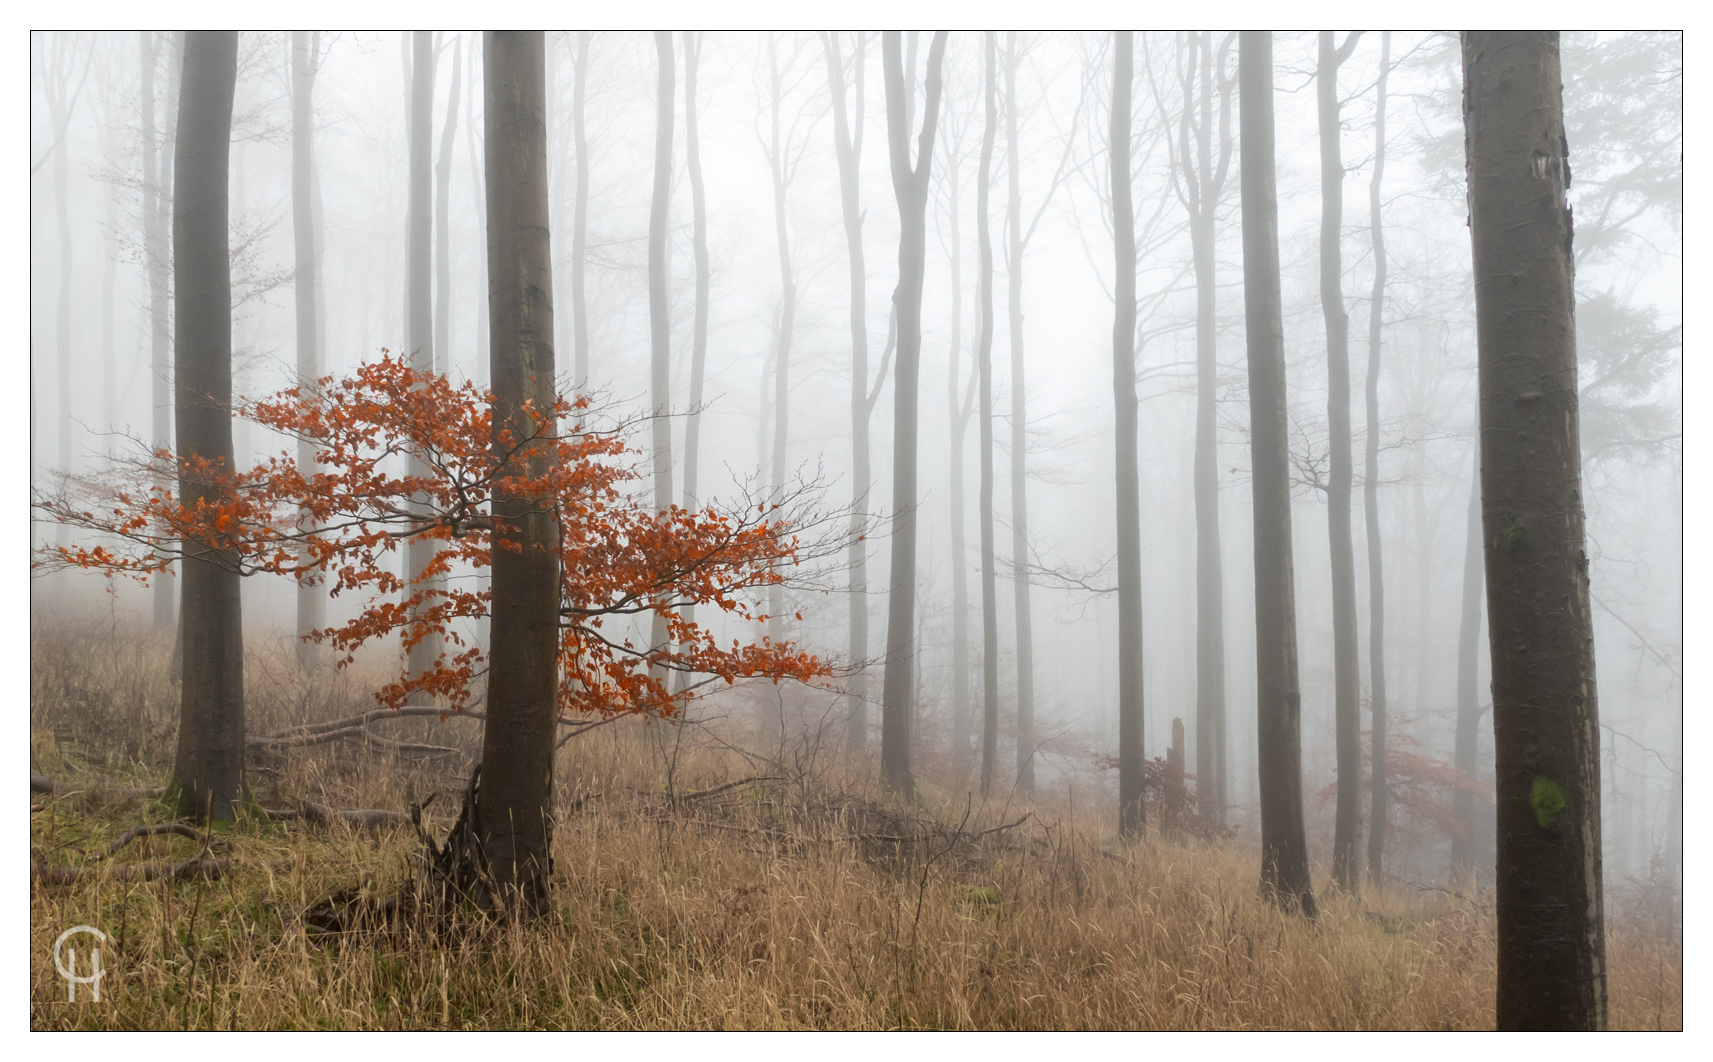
(420, 327)
(984, 366)
(514, 813)
(659, 305)
(1552, 950)
(311, 599)
(1132, 815)
(787, 323)
(1284, 849)
(910, 188)
(699, 331)
(580, 214)
(59, 114)
(847, 145)
(109, 270)
(1019, 447)
(157, 177)
(1208, 186)
(1466, 804)
(958, 416)
(208, 771)
(1346, 661)
(471, 135)
(1371, 489)
(443, 219)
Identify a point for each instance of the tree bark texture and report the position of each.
(1551, 935)
(1278, 709)
(208, 771)
(984, 367)
(1132, 815)
(515, 802)
(910, 189)
(1346, 661)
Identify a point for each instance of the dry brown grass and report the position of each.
(750, 909)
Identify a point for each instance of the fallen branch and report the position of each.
(194, 867)
(334, 729)
(322, 814)
(155, 830)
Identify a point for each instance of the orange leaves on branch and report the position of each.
(336, 521)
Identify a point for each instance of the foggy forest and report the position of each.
(856, 530)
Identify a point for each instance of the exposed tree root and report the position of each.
(155, 830)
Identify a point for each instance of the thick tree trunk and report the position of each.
(580, 213)
(1284, 849)
(157, 177)
(1346, 662)
(515, 805)
(847, 146)
(1552, 951)
(1208, 186)
(420, 326)
(910, 188)
(311, 598)
(1371, 490)
(1132, 815)
(208, 772)
(659, 305)
(1467, 805)
(1019, 447)
(984, 367)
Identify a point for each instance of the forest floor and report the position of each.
(697, 885)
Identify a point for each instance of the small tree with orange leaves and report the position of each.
(337, 521)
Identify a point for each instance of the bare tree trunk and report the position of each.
(699, 331)
(1466, 804)
(779, 166)
(208, 771)
(443, 220)
(1206, 189)
(1552, 944)
(580, 214)
(471, 135)
(1346, 658)
(910, 188)
(157, 176)
(1132, 815)
(1019, 446)
(311, 599)
(659, 306)
(1284, 849)
(60, 100)
(1371, 490)
(984, 366)
(514, 812)
(847, 145)
(420, 326)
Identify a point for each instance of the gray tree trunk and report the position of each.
(580, 214)
(1552, 942)
(1467, 805)
(157, 253)
(984, 367)
(659, 304)
(208, 770)
(910, 188)
(1132, 815)
(699, 330)
(1371, 490)
(514, 810)
(1346, 658)
(311, 599)
(780, 166)
(1284, 849)
(847, 146)
(443, 219)
(420, 326)
(1019, 447)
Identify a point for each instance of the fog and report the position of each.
(92, 386)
